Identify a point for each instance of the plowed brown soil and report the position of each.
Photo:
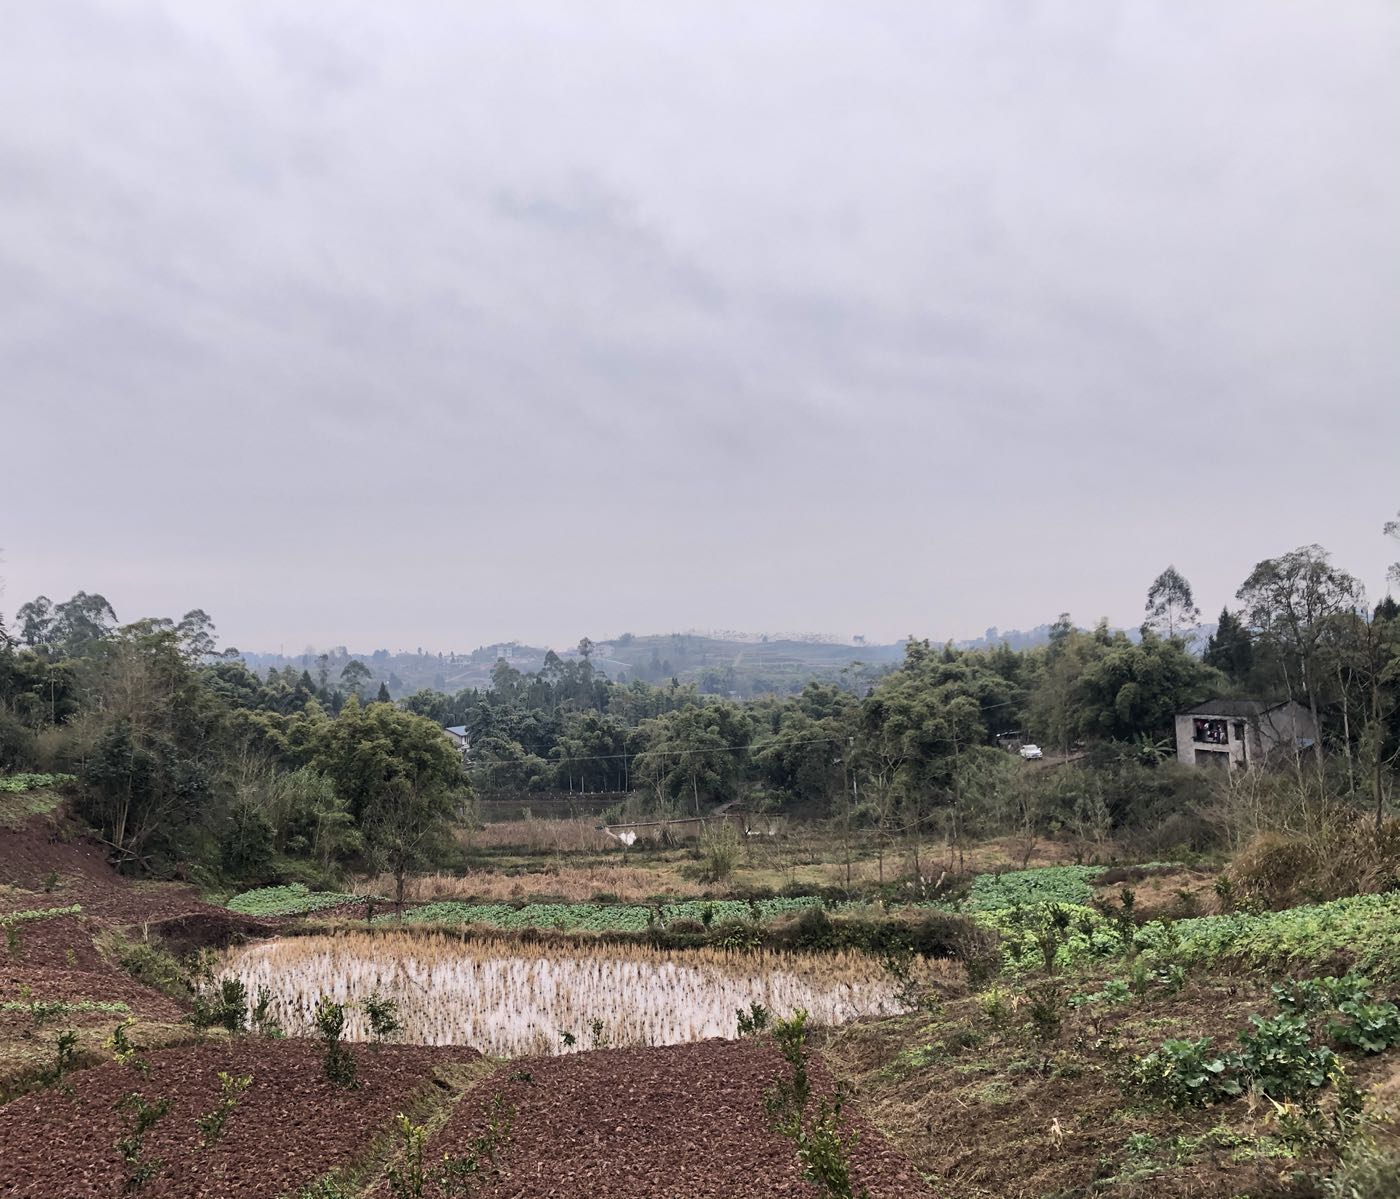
(48, 863)
(290, 1126)
(680, 1122)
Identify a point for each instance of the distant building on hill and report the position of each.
(1229, 734)
(461, 739)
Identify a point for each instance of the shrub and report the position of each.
(150, 964)
(456, 1177)
(144, 1116)
(996, 1007)
(1369, 1169)
(813, 929)
(406, 1177)
(1370, 1027)
(264, 1021)
(720, 850)
(337, 1062)
(211, 1124)
(1279, 1056)
(124, 1053)
(324, 1188)
(1187, 1072)
(383, 1016)
(754, 1021)
(823, 1150)
(1046, 1010)
(1343, 855)
(65, 1050)
(232, 1009)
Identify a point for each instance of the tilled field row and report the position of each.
(661, 1123)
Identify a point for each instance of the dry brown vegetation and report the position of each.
(1336, 852)
(537, 836)
(508, 999)
(573, 884)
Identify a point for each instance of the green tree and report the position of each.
(1230, 648)
(375, 751)
(196, 633)
(81, 622)
(1170, 606)
(1288, 601)
(354, 676)
(1133, 691)
(36, 622)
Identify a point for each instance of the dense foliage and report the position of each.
(188, 760)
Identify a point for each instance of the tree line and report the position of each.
(189, 760)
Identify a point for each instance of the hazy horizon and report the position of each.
(436, 325)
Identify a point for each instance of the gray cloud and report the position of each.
(436, 324)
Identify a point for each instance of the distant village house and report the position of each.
(460, 738)
(1229, 734)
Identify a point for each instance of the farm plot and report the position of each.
(603, 917)
(509, 1000)
(288, 1128)
(295, 899)
(682, 1122)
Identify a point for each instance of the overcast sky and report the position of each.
(446, 323)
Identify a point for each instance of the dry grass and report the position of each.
(538, 836)
(507, 1000)
(802, 857)
(1339, 853)
(572, 884)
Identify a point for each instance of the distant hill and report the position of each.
(726, 664)
(718, 663)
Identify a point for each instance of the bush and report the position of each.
(1279, 1057)
(813, 929)
(1369, 1027)
(1187, 1072)
(720, 849)
(152, 965)
(1369, 1169)
(1343, 855)
(337, 1062)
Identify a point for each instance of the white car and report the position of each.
(1030, 752)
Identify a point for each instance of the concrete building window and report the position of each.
(1210, 732)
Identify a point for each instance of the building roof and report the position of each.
(1235, 707)
(457, 730)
